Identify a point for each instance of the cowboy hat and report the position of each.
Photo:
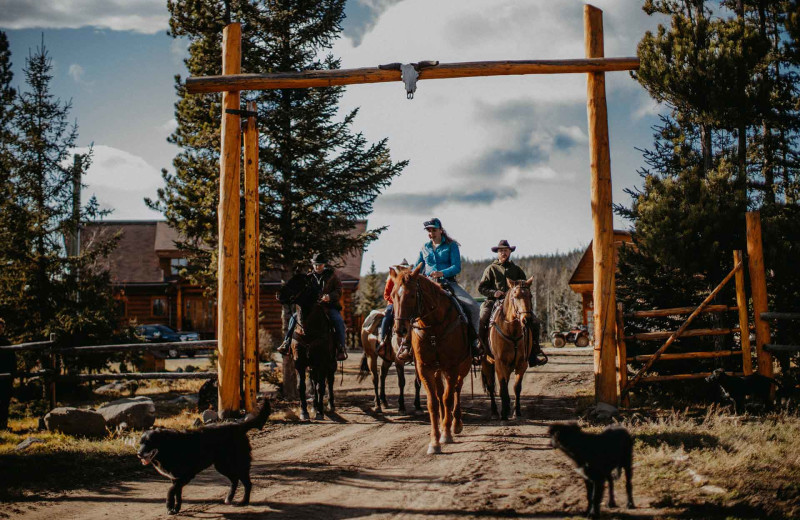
(503, 243)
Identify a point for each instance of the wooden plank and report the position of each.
(338, 77)
(758, 291)
(602, 215)
(138, 376)
(691, 333)
(228, 363)
(251, 267)
(682, 377)
(677, 311)
(683, 328)
(772, 347)
(744, 325)
(144, 347)
(789, 316)
(687, 355)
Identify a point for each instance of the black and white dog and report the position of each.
(596, 456)
(179, 455)
(737, 388)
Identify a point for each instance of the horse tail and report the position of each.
(484, 382)
(363, 372)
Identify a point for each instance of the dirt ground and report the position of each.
(359, 464)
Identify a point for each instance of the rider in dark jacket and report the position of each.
(330, 290)
(494, 285)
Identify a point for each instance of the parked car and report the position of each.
(578, 335)
(164, 334)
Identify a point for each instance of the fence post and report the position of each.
(252, 247)
(622, 357)
(758, 290)
(744, 326)
(54, 364)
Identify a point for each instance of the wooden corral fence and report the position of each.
(755, 261)
(52, 355)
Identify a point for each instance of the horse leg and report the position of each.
(331, 403)
(517, 393)
(373, 367)
(384, 373)
(458, 425)
(401, 383)
(417, 387)
(440, 396)
(447, 416)
(428, 379)
(505, 398)
(319, 394)
(487, 375)
(301, 389)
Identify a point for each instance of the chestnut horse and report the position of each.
(510, 342)
(441, 351)
(369, 364)
(313, 344)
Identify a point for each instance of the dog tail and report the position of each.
(260, 419)
(364, 370)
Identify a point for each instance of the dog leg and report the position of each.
(589, 489)
(611, 501)
(171, 500)
(629, 484)
(247, 485)
(597, 496)
(232, 490)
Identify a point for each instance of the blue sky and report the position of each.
(501, 157)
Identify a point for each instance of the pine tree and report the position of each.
(42, 290)
(370, 292)
(317, 177)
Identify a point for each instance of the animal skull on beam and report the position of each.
(409, 73)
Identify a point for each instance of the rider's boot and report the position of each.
(476, 350)
(283, 349)
(536, 350)
(341, 353)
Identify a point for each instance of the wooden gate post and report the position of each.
(229, 361)
(251, 260)
(602, 215)
(758, 289)
(744, 326)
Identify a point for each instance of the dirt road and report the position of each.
(360, 464)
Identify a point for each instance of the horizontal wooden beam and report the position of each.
(677, 311)
(779, 349)
(790, 316)
(681, 377)
(138, 376)
(655, 336)
(331, 78)
(688, 355)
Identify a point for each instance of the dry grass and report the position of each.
(719, 466)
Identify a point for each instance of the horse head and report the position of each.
(297, 290)
(520, 301)
(406, 298)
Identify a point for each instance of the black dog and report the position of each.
(596, 456)
(180, 455)
(737, 388)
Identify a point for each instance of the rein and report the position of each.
(517, 317)
(419, 315)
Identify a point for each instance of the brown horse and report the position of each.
(510, 342)
(441, 351)
(369, 364)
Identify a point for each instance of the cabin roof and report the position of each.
(584, 271)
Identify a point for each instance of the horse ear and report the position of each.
(417, 269)
(529, 281)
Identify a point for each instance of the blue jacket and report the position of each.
(445, 258)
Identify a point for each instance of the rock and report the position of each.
(713, 490)
(138, 412)
(27, 443)
(185, 400)
(197, 422)
(74, 421)
(601, 412)
(209, 416)
(113, 388)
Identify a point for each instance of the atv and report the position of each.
(578, 335)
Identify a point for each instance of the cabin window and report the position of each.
(159, 306)
(176, 264)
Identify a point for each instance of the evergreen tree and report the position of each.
(42, 290)
(317, 177)
(370, 292)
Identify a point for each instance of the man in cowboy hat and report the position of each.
(494, 284)
(330, 290)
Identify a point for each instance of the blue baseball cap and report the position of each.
(433, 223)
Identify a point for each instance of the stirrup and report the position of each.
(283, 349)
(404, 354)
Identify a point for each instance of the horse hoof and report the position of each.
(304, 416)
(434, 449)
(402, 409)
(319, 417)
(446, 439)
(458, 428)
(378, 410)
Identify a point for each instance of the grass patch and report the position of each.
(713, 465)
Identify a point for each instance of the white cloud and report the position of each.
(121, 181)
(143, 16)
(76, 72)
(169, 126)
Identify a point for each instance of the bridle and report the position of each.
(419, 315)
(518, 315)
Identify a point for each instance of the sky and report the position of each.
(502, 157)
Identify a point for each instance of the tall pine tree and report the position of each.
(317, 176)
(370, 292)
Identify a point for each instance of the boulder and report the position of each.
(139, 413)
(209, 416)
(74, 421)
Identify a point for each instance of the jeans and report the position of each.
(387, 322)
(471, 307)
(336, 318)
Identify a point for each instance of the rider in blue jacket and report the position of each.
(442, 260)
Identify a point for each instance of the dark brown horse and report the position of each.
(510, 342)
(313, 344)
(369, 364)
(441, 351)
